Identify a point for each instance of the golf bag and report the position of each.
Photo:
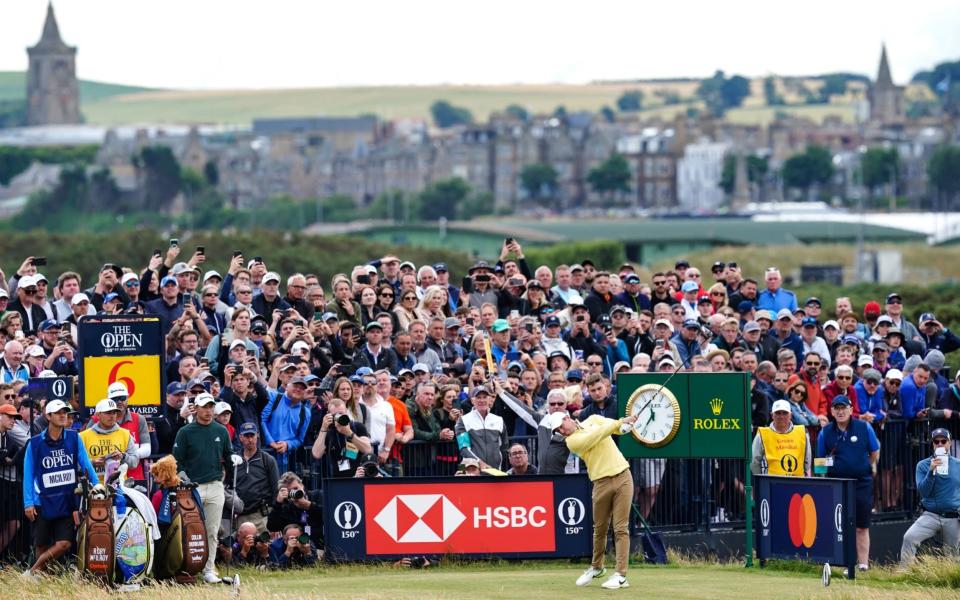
(95, 549)
(182, 551)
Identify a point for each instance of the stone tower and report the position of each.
(886, 98)
(53, 96)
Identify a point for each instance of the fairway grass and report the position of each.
(520, 581)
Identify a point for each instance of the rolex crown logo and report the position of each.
(716, 405)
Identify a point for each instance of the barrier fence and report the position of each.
(672, 494)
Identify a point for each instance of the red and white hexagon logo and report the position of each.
(416, 518)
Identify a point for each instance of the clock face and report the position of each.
(658, 415)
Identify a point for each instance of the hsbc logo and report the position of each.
(418, 518)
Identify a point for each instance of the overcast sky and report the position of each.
(300, 43)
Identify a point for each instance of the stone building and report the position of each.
(53, 96)
(887, 105)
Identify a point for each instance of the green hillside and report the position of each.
(13, 87)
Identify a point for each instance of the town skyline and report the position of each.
(266, 51)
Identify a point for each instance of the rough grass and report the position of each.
(682, 579)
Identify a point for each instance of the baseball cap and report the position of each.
(236, 343)
(328, 315)
(210, 274)
(515, 365)
(691, 324)
(574, 375)
(894, 374)
(196, 382)
(179, 268)
(204, 399)
(813, 300)
(832, 323)
(552, 321)
(784, 314)
(451, 322)
(895, 331)
(480, 389)
(370, 325)
(841, 400)
(247, 428)
(872, 375)
(10, 411)
(35, 351)
(763, 314)
(271, 276)
(533, 284)
(4, 294)
(893, 296)
(664, 322)
(500, 325)
(927, 317)
(221, 407)
(364, 371)
(689, 286)
(865, 360)
(420, 368)
(703, 300)
(175, 387)
(27, 281)
(744, 306)
(106, 405)
(871, 308)
(403, 372)
(470, 462)
(880, 345)
(55, 406)
(554, 420)
(576, 268)
(128, 277)
(718, 266)
(940, 432)
(780, 405)
(681, 264)
(666, 360)
(300, 346)
(478, 266)
(168, 280)
(632, 278)
(408, 265)
(809, 322)
(850, 339)
(441, 267)
(751, 326)
(884, 319)
(117, 389)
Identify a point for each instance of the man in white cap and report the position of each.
(26, 304)
(133, 422)
(51, 462)
(105, 440)
(612, 488)
(269, 301)
(782, 448)
(201, 449)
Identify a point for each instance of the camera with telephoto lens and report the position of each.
(343, 420)
(418, 562)
(297, 494)
(264, 537)
(303, 539)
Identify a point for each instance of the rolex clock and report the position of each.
(658, 415)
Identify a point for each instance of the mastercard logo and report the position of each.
(802, 520)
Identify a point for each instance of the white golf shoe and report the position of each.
(211, 577)
(615, 582)
(590, 574)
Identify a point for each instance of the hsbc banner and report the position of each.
(127, 348)
(470, 516)
(808, 518)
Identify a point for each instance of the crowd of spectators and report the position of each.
(384, 371)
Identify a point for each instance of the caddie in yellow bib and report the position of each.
(783, 448)
(105, 439)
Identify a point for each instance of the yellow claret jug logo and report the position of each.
(716, 405)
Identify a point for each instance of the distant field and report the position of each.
(13, 87)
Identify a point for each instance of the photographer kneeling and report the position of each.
(341, 440)
(293, 549)
(250, 549)
(294, 505)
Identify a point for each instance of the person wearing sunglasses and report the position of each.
(851, 450)
(938, 481)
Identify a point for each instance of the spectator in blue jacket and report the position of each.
(936, 336)
(870, 395)
(775, 298)
(687, 342)
(913, 392)
(785, 336)
(285, 421)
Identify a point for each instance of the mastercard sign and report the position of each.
(126, 349)
(806, 518)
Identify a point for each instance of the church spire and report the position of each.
(884, 80)
(51, 32)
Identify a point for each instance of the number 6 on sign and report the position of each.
(112, 378)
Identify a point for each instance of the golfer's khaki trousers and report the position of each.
(611, 499)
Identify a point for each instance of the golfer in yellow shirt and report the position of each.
(612, 489)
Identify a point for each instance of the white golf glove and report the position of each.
(626, 427)
(236, 460)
